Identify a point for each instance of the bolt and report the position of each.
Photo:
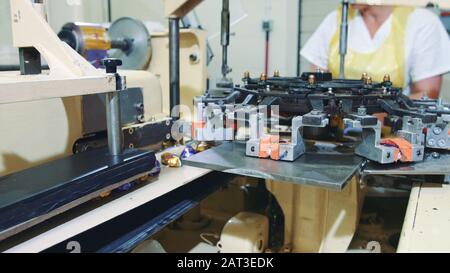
(436, 155)
(364, 76)
(111, 65)
(442, 143)
(362, 111)
(193, 57)
(437, 131)
(168, 136)
(311, 79)
(263, 77)
(168, 122)
(141, 118)
(140, 106)
(431, 142)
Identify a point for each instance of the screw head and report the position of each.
(362, 111)
(437, 130)
(111, 65)
(431, 142)
(193, 57)
(436, 155)
(263, 77)
(312, 79)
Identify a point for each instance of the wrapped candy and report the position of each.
(156, 170)
(188, 152)
(170, 160)
(202, 146)
(126, 187)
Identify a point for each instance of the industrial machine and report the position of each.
(310, 142)
(66, 123)
(316, 101)
(33, 195)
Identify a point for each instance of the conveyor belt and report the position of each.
(34, 195)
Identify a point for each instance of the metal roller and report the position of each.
(127, 39)
(133, 39)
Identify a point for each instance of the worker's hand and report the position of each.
(430, 88)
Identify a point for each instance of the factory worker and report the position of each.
(411, 45)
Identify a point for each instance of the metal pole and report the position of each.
(174, 48)
(343, 37)
(109, 6)
(225, 39)
(113, 121)
(299, 38)
(113, 118)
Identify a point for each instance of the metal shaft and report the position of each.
(225, 39)
(343, 37)
(174, 48)
(113, 121)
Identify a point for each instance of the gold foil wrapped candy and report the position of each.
(201, 147)
(170, 160)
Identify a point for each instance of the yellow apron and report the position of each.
(389, 58)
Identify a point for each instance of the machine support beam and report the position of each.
(113, 123)
(225, 37)
(174, 48)
(113, 119)
(343, 37)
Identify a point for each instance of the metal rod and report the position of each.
(113, 121)
(267, 53)
(109, 5)
(299, 38)
(343, 37)
(16, 67)
(174, 48)
(225, 39)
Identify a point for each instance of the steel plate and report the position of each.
(430, 166)
(323, 168)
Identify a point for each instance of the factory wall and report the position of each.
(5, 25)
(59, 12)
(247, 49)
(313, 12)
